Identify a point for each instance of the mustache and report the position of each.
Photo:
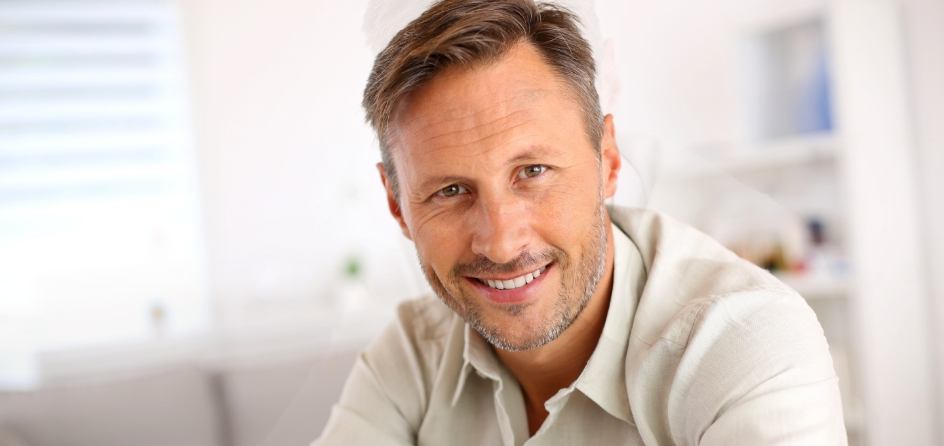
(526, 260)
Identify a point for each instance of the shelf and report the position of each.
(817, 286)
(775, 155)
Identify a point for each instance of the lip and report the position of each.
(515, 296)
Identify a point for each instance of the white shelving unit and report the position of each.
(827, 143)
(788, 153)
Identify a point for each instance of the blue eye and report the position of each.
(452, 190)
(531, 171)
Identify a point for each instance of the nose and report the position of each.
(502, 227)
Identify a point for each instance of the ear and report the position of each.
(392, 203)
(610, 159)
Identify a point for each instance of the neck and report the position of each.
(542, 371)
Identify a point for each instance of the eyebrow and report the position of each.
(533, 152)
(435, 181)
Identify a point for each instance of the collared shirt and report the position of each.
(699, 347)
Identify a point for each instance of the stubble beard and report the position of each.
(577, 287)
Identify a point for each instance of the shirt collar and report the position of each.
(603, 379)
(476, 355)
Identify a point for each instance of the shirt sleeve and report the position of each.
(383, 400)
(365, 415)
(757, 371)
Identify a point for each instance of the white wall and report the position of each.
(924, 20)
(288, 173)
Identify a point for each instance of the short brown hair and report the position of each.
(468, 32)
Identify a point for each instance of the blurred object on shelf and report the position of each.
(765, 252)
(823, 257)
(351, 293)
(158, 316)
(801, 255)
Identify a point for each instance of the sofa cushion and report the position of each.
(284, 403)
(170, 407)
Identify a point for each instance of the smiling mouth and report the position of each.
(515, 282)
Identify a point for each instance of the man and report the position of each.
(558, 320)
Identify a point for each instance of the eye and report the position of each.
(452, 190)
(531, 171)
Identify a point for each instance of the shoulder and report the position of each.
(710, 329)
(699, 293)
(405, 357)
(688, 273)
(419, 332)
(425, 318)
(386, 395)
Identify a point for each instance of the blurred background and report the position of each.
(194, 243)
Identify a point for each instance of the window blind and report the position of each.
(99, 230)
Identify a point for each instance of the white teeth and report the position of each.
(511, 284)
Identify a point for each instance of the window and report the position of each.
(99, 231)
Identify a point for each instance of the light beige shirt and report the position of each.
(699, 347)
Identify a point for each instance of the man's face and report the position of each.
(502, 192)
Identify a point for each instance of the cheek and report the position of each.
(439, 245)
(558, 204)
(568, 208)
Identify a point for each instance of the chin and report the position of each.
(516, 333)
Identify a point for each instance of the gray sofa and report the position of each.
(271, 403)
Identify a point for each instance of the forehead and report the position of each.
(474, 111)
